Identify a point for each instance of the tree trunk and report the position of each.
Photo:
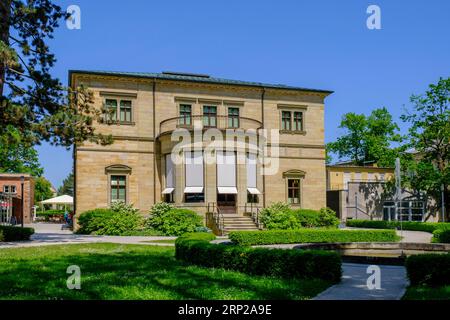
(5, 13)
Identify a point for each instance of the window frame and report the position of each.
(209, 115)
(286, 121)
(118, 170)
(296, 120)
(298, 189)
(233, 117)
(118, 188)
(119, 98)
(183, 116)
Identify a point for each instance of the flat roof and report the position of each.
(192, 77)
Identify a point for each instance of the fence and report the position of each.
(404, 210)
(6, 210)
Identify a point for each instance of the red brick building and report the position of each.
(10, 184)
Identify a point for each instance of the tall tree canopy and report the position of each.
(42, 189)
(31, 99)
(367, 138)
(67, 186)
(429, 139)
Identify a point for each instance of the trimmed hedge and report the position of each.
(304, 264)
(429, 269)
(50, 213)
(406, 225)
(250, 238)
(10, 233)
(441, 236)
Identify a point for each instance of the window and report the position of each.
(125, 110)
(286, 120)
(209, 116)
(233, 117)
(294, 191)
(9, 189)
(194, 197)
(252, 198)
(185, 114)
(111, 107)
(298, 121)
(119, 110)
(118, 188)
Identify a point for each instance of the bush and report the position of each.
(173, 221)
(308, 264)
(280, 216)
(118, 220)
(428, 269)
(50, 213)
(441, 236)
(249, 238)
(406, 225)
(10, 233)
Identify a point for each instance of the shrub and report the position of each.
(441, 236)
(249, 238)
(428, 269)
(50, 213)
(173, 221)
(308, 264)
(280, 216)
(10, 233)
(118, 220)
(406, 225)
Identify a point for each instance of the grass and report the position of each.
(427, 293)
(161, 241)
(116, 271)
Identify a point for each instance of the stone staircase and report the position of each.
(235, 222)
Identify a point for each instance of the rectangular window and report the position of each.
(286, 120)
(252, 198)
(185, 114)
(9, 189)
(125, 110)
(298, 121)
(233, 117)
(111, 107)
(294, 191)
(209, 116)
(118, 188)
(6, 189)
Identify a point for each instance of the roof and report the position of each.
(64, 199)
(192, 77)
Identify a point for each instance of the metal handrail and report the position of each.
(217, 121)
(220, 221)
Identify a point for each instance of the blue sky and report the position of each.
(318, 44)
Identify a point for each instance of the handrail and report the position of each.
(217, 217)
(209, 121)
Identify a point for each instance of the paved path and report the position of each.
(354, 284)
(408, 236)
(51, 234)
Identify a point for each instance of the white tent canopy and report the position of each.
(64, 199)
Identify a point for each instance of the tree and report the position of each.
(17, 158)
(67, 186)
(31, 99)
(42, 189)
(367, 139)
(429, 137)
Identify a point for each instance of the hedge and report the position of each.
(429, 269)
(441, 236)
(304, 264)
(406, 225)
(50, 213)
(250, 238)
(15, 233)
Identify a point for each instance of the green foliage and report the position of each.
(54, 212)
(67, 186)
(196, 249)
(118, 220)
(428, 269)
(441, 236)
(367, 139)
(172, 221)
(10, 233)
(280, 216)
(42, 189)
(250, 238)
(406, 225)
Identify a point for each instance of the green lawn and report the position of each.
(114, 271)
(427, 293)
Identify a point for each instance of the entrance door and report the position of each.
(226, 202)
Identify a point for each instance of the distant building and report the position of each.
(10, 186)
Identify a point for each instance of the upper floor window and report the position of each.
(233, 117)
(298, 121)
(118, 188)
(209, 116)
(119, 110)
(9, 189)
(185, 114)
(286, 120)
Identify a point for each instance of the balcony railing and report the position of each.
(208, 121)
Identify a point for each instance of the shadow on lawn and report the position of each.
(112, 271)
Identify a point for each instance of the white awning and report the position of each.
(193, 190)
(168, 190)
(253, 191)
(64, 199)
(227, 190)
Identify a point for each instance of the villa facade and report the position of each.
(150, 111)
